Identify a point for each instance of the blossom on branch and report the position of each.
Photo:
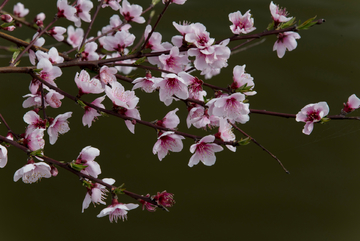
(146, 83)
(87, 85)
(33, 172)
(167, 141)
(352, 104)
(243, 80)
(58, 125)
(120, 97)
(91, 114)
(97, 193)
(57, 33)
(67, 11)
(48, 71)
(117, 210)
(241, 23)
(170, 85)
(204, 151)
(286, 40)
(131, 12)
(3, 156)
(311, 114)
(20, 10)
(75, 37)
(278, 14)
(86, 158)
(83, 8)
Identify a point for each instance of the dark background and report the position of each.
(245, 195)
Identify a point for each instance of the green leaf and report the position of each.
(244, 142)
(307, 24)
(324, 120)
(77, 167)
(120, 189)
(82, 49)
(154, 2)
(38, 153)
(270, 26)
(4, 25)
(82, 104)
(140, 61)
(37, 71)
(288, 23)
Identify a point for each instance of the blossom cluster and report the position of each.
(110, 57)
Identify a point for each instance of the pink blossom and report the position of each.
(83, 8)
(171, 120)
(92, 114)
(39, 19)
(32, 100)
(199, 36)
(97, 193)
(34, 121)
(38, 42)
(171, 85)
(3, 156)
(285, 41)
(241, 23)
(230, 107)
(75, 37)
(89, 52)
(146, 83)
(120, 97)
(195, 87)
(54, 98)
(114, 4)
(204, 151)
(115, 24)
(87, 85)
(123, 69)
(35, 139)
(133, 113)
(117, 210)
(33, 172)
(58, 125)
(86, 157)
(174, 61)
(278, 14)
(310, 114)
(225, 133)
(20, 11)
(352, 104)
(119, 41)
(9, 28)
(131, 12)
(107, 75)
(164, 198)
(52, 56)
(48, 71)
(6, 18)
(154, 42)
(198, 117)
(57, 33)
(67, 11)
(241, 79)
(167, 141)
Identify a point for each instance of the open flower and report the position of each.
(117, 210)
(241, 23)
(33, 172)
(131, 12)
(204, 151)
(167, 141)
(285, 41)
(91, 114)
(58, 125)
(352, 104)
(86, 157)
(310, 114)
(278, 14)
(96, 194)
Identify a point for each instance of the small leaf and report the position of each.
(307, 24)
(77, 167)
(140, 61)
(244, 142)
(270, 26)
(81, 103)
(288, 23)
(324, 120)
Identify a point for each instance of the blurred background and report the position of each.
(245, 195)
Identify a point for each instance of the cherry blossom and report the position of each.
(33, 172)
(241, 79)
(204, 151)
(89, 52)
(114, 4)
(131, 12)
(120, 97)
(20, 10)
(67, 11)
(107, 75)
(119, 41)
(123, 69)
(58, 125)
(241, 23)
(38, 42)
(230, 107)
(32, 100)
(173, 62)
(87, 85)
(39, 19)
(117, 210)
(53, 99)
(92, 114)
(35, 139)
(34, 121)
(57, 33)
(6, 18)
(146, 83)
(48, 71)
(195, 87)
(225, 133)
(133, 113)
(171, 120)
(352, 104)
(115, 23)
(75, 37)
(86, 157)
(170, 85)
(154, 42)
(164, 198)
(310, 114)
(199, 36)
(198, 117)
(82, 11)
(167, 141)
(278, 14)
(3, 156)
(52, 56)
(97, 193)
(285, 41)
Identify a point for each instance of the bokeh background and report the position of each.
(245, 195)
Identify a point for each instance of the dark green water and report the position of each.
(245, 195)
